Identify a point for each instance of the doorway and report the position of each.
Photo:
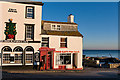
(74, 60)
(44, 61)
(50, 60)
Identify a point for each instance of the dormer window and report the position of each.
(55, 27)
(58, 27)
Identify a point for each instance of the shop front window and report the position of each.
(18, 54)
(29, 58)
(6, 54)
(18, 58)
(29, 55)
(6, 58)
(63, 59)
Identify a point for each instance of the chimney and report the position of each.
(71, 18)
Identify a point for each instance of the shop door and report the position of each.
(49, 60)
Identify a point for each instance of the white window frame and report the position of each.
(45, 42)
(63, 42)
(29, 58)
(29, 53)
(31, 33)
(19, 58)
(56, 27)
(29, 7)
(6, 58)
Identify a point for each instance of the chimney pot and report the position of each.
(71, 18)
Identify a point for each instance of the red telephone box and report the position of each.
(46, 55)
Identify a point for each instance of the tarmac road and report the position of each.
(86, 73)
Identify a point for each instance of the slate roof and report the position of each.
(58, 22)
(31, 2)
(61, 33)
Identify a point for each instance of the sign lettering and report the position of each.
(12, 10)
(14, 41)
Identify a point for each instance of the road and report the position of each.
(86, 73)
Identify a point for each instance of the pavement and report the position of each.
(86, 73)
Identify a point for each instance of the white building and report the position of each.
(24, 35)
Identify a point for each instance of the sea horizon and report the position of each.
(101, 53)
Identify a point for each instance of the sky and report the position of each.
(97, 21)
(77, 0)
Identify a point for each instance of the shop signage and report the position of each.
(14, 41)
(12, 10)
(67, 51)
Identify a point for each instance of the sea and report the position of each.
(102, 53)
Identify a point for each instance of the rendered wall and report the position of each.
(20, 20)
(73, 44)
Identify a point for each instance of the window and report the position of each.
(45, 42)
(63, 59)
(18, 49)
(29, 31)
(55, 27)
(18, 58)
(58, 27)
(63, 42)
(30, 12)
(6, 58)
(29, 51)
(7, 49)
(29, 58)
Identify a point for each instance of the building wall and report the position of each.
(73, 44)
(1, 28)
(20, 20)
(64, 27)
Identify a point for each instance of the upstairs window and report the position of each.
(63, 42)
(30, 12)
(58, 27)
(29, 32)
(55, 27)
(45, 42)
